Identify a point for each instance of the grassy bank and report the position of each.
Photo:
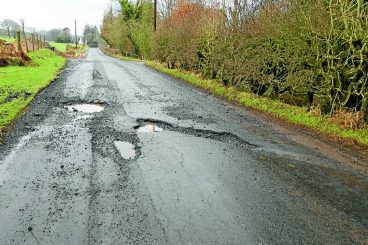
(293, 114)
(19, 85)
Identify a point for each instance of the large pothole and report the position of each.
(152, 125)
(148, 127)
(86, 108)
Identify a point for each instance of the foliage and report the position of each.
(90, 35)
(19, 85)
(131, 30)
(113, 31)
(63, 36)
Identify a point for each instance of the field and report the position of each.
(61, 47)
(19, 85)
(7, 39)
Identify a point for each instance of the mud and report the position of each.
(215, 174)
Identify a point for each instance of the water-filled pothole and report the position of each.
(86, 108)
(126, 149)
(149, 127)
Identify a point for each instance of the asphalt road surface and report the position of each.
(113, 152)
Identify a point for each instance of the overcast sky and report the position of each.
(48, 14)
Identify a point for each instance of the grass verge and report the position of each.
(20, 84)
(292, 114)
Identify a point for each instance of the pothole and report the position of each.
(86, 108)
(126, 149)
(152, 125)
(149, 127)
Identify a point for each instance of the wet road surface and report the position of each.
(115, 153)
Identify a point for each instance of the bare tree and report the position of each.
(22, 22)
(10, 26)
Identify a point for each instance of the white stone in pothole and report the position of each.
(126, 149)
(149, 129)
(86, 108)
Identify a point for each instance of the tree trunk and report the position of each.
(8, 32)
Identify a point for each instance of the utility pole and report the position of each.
(75, 31)
(154, 15)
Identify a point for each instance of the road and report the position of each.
(153, 160)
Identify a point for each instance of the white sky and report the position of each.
(49, 14)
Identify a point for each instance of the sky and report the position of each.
(49, 14)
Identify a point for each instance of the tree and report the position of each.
(22, 21)
(10, 26)
(64, 36)
(90, 35)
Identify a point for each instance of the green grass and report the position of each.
(61, 47)
(26, 81)
(7, 39)
(292, 114)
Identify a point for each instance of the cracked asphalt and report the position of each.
(215, 174)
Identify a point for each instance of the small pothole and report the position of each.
(86, 108)
(126, 149)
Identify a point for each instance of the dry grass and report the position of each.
(349, 120)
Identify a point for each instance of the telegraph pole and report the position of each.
(154, 15)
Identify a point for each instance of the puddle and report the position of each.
(126, 149)
(86, 108)
(149, 128)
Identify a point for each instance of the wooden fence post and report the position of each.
(38, 42)
(33, 43)
(19, 42)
